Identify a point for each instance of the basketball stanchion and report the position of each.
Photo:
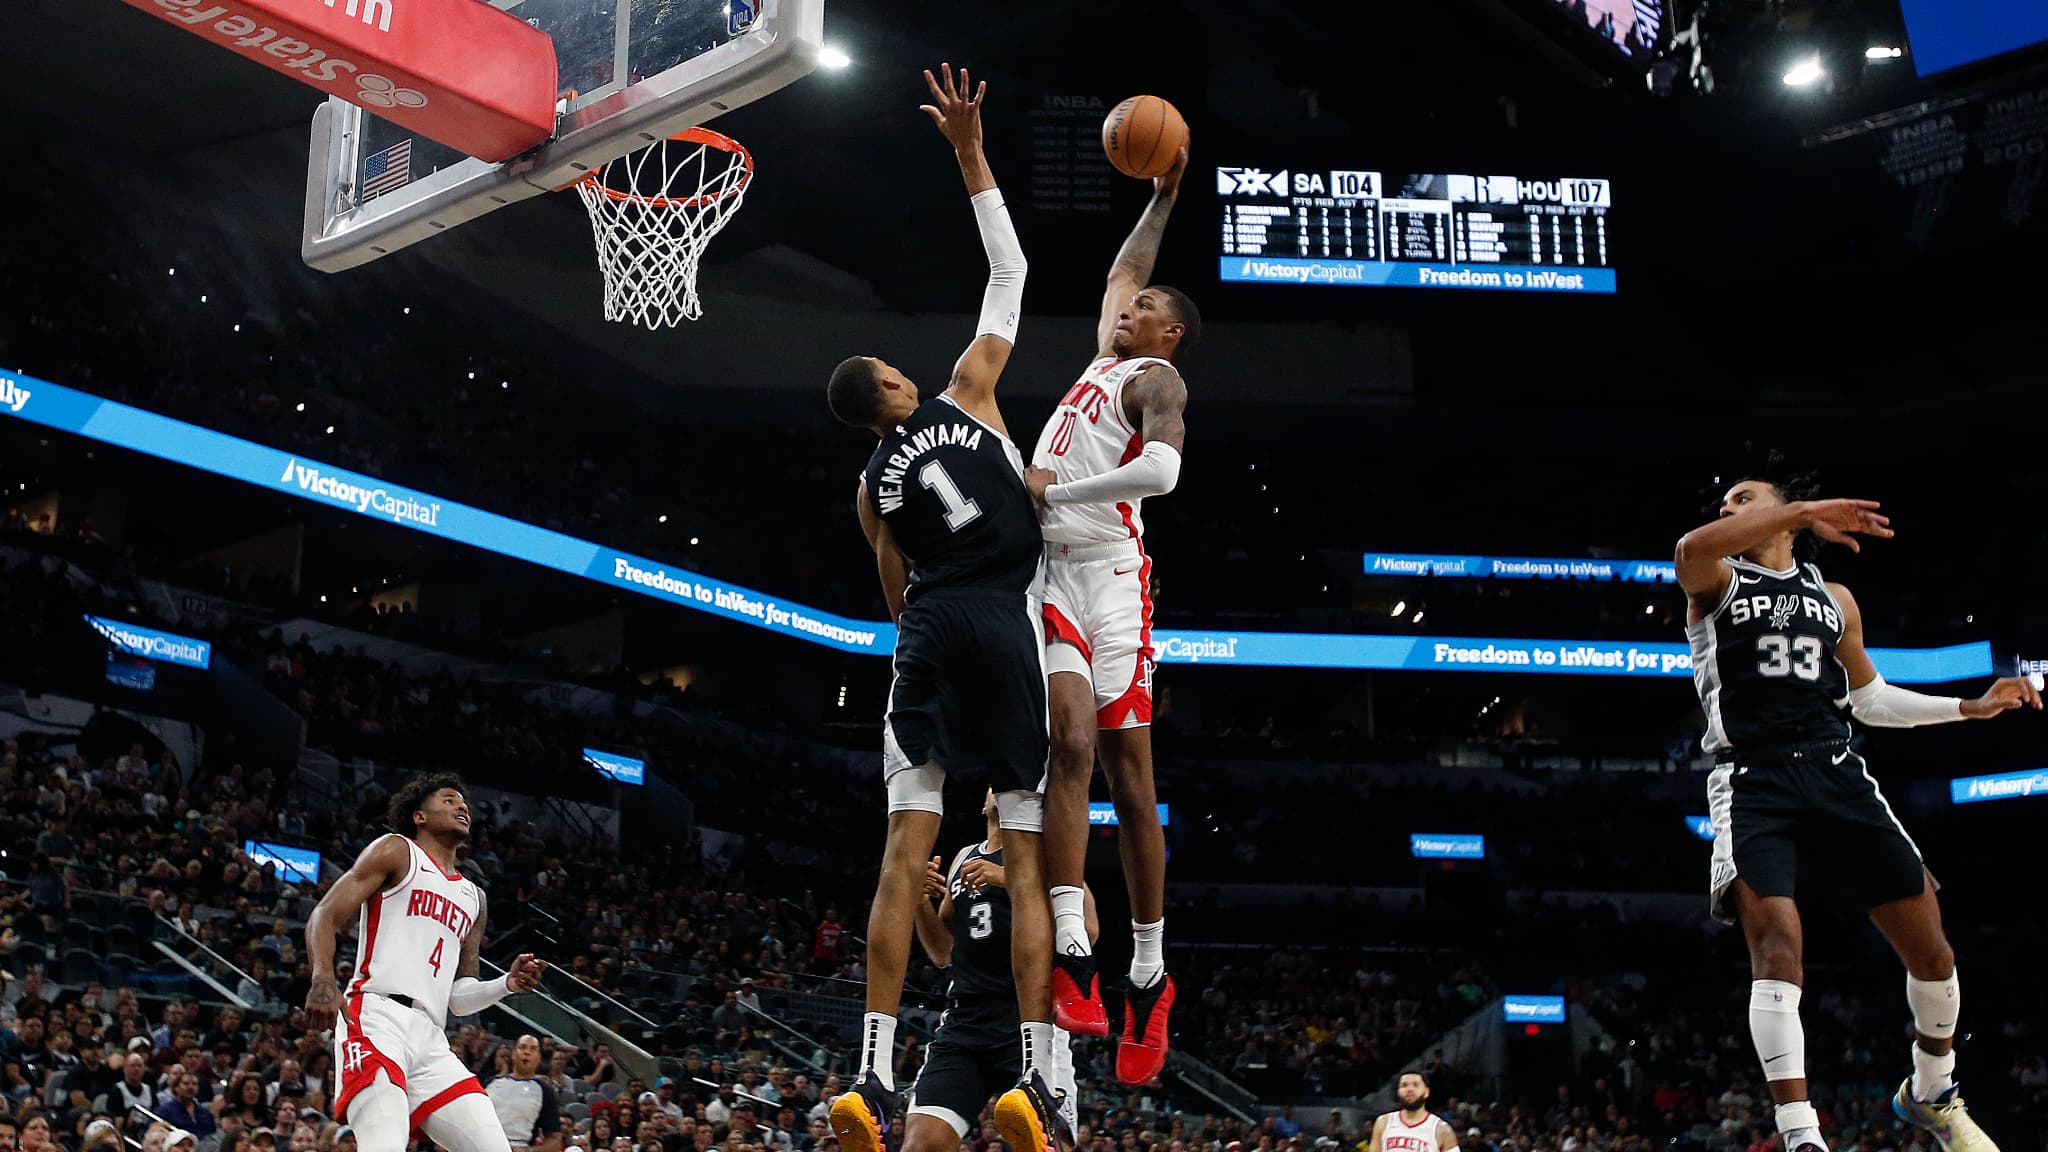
(653, 212)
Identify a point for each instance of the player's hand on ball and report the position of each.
(525, 973)
(955, 108)
(1838, 521)
(981, 874)
(1036, 481)
(1169, 184)
(934, 880)
(2003, 696)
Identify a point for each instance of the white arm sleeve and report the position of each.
(1004, 298)
(1153, 473)
(471, 995)
(1882, 705)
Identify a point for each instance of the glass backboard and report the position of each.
(630, 72)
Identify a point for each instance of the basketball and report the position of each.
(1142, 136)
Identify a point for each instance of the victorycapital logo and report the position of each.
(1192, 650)
(13, 396)
(401, 508)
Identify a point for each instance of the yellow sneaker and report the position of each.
(1945, 1117)
(861, 1117)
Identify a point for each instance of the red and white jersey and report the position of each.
(1399, 1136)
(410, 937)
(1089, 434)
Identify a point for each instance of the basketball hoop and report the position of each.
(652, 213)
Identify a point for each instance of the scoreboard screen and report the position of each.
(1366, 229)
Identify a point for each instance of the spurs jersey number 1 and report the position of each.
(1089, 434)
(410, 938)
(1764, 661)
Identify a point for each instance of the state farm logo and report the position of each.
(379, 92)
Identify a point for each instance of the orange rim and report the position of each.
(703, 136)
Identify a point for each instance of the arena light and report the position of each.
(1805, 74)
(1883, 52)
(1400, 606)
(830, 56)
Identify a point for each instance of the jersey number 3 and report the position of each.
(960, 511)
(983, 920)
(435, 959)
(1781, 655)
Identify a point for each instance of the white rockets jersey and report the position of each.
(409, 942)
(1089, 434)
(1398, 1136)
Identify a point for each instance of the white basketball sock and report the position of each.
(1148, 953)
(1799, 1124)
(1932, 1075)
(1774, 1027)
(1038, 1055)
(1070, 921)
(878, 1049)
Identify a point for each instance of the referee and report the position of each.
(525, 1103)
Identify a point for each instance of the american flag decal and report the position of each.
(387, 170)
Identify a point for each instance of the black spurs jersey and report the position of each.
(1764, 661)
(981, 989)
(951, 490)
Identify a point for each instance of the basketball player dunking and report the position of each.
(1777, 652)
(957, 547)
(391, 1052)
(1115, 439)
(964, 924)
(1414, 1128)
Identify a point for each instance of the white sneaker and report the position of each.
(1945, 1117)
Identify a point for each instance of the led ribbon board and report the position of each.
(153, 644)
(624, 769)
(1102, 813)
(1519, 568)
(69, 410)
(1532, 1009)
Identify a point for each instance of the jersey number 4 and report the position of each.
(960, 511)
(435, 959)
(1780, 655)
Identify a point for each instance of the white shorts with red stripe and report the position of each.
(375, 1034)
(1098, 625)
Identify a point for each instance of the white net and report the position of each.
(652, 214)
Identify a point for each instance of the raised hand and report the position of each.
(956, 107)
(1169, 184)
(2003, 696)
(934, 880)
(1841, 521)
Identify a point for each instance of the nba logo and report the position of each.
(742, 17)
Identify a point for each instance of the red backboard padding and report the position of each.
(457, 71)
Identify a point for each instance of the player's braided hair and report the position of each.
(1769, 466)
(413, 796)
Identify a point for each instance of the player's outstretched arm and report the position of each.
(1160, 399)
(1884, 705)
(1702, 552)
(956, 109)
(889, 565)
(382, 865)
(471, 995)
(1133, 267)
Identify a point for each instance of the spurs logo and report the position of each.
(1783, 609)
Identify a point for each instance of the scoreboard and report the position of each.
(1364, 229)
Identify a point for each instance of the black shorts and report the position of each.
(1808, 823)
(969, 689)
(965, 1067)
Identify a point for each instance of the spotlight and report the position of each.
(1400, 606)
(1883, 52)
(661, 519)
(1806, 73)
(831, 57)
